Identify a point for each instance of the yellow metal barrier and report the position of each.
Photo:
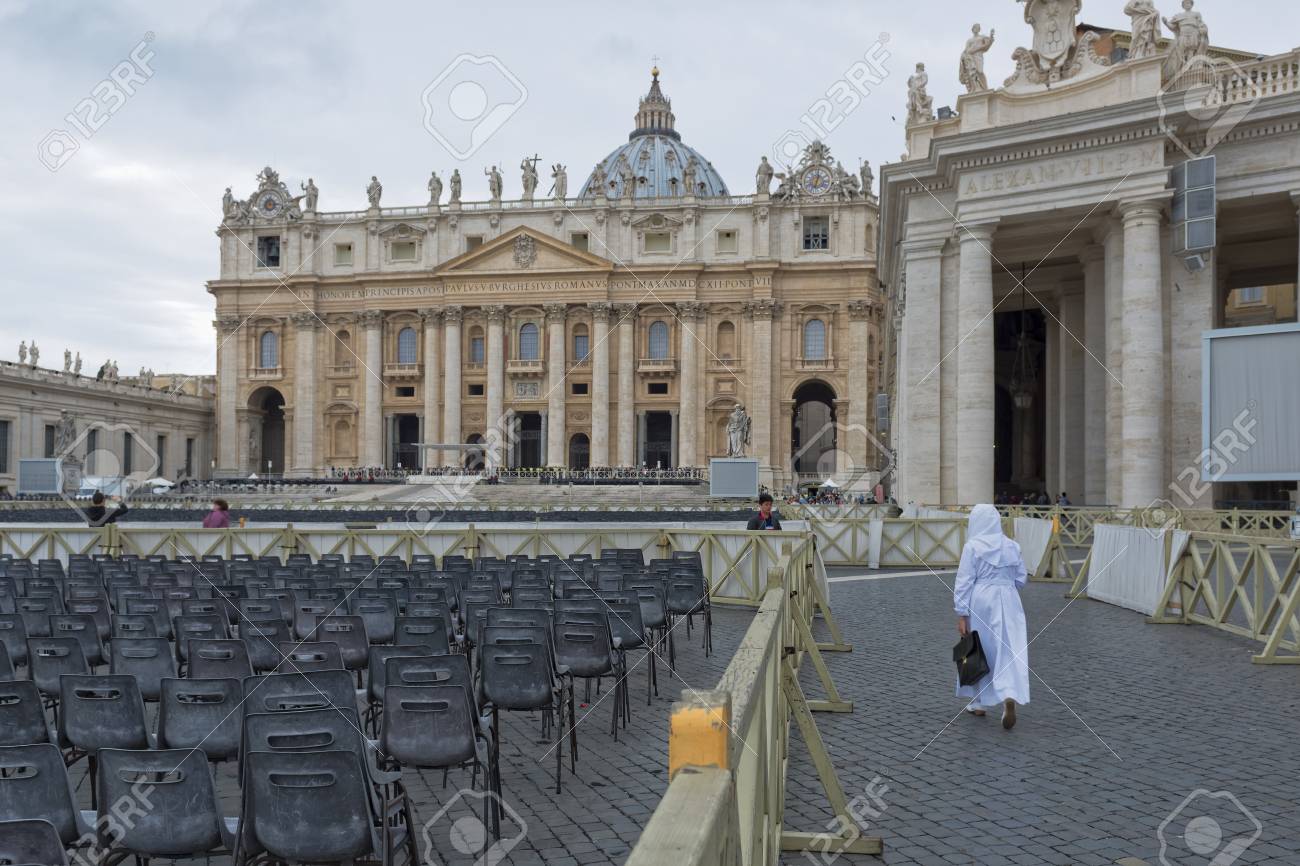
(731, 812)
(1242, 585)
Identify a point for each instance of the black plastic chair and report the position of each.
(376, 680)
(49, 658)
(379, 615)
(305, 656)
(302, 808)
(434, 727)
(36, 612)
(201, 714)
(101, 712)
(688, 595)
(189, 628)
(135, 625)
(182, 820)
(13, 635)
(155, 608)
(148, 659)
(349, 632)
(587, 651)
(6, 666)
(33, 841)
(22, 715)
(262, 640)
(97, 608)
(219, 659)
(34, 785)
(293, 691)
(430, 631)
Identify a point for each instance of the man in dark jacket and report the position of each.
(765, 518)
(98, 514)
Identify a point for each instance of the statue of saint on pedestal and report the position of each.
(374, 191)
(920, 105)
(763, 177)
(737, 432)
(1145, 27)
(971, 70)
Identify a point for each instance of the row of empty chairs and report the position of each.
(319, 680)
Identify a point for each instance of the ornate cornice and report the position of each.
(600, 311)
(495, 312)
(555, 313)
(430, 315)
(624, 312)
(690, 311)
(228, 324)
(371, 318)
(305, 320)
(860, 310)
(453, 314)
(763, 309)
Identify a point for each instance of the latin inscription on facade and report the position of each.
(1062, 171)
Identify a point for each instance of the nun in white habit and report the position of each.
(986, 598)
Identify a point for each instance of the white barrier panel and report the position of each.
(1033, 535)
(1128, 566)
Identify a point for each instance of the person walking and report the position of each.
(219, 517)
(986, 599)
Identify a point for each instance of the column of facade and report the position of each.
(432, 318)
(372, 424)
(1071, 360)
(304, 393)
(1094, 378)
(1113, 253)
(1143, 337)
(496, 384)
(627, 438)
(451, 317)
(949, 267)
(975, 357)
(555, 439)
(688, 315)
(916, 442)
(228, 350)
(640, 438)
(857, 444)
(761, 314)
(600, 384)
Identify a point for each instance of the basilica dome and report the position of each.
(654, 157)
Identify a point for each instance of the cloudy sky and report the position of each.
(109, 253)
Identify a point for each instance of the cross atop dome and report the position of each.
(654, 116)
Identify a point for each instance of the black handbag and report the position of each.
(972, 665)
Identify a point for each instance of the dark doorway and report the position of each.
(475, 455)
(1020, 403)
(528, 448)
(579, 451)
(812, 439)
(659, 440)
(269, 459)
(406, 436)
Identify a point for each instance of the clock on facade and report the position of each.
(269, 204)
(816, 181)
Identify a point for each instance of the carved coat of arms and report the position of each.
(525, 251)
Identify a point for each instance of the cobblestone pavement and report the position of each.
(1127, 720)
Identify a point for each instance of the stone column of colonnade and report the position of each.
(452, 316)
(858, 445)
(495, 433)
(625, 314)
(688, 315)
(556, 442)
(306, 324)
(228, 350)
(600, 384)
(917, 443)
(372, 425)
(1094, 378)
(760, 314)
(1070, 360)
(1143, 341)
(975, 364)
(432, 363)
(1113, 252)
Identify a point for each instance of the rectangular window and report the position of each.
(92, 446)
(580, 240)
(476, 390)
(128, 445)
(343, 255)
(189, 458)
(405, 390)
(49, 440)
(268, 251)
(657, 388)
(403, 251)
(1252, 295)
(658, 242)
(476, 353)
(160, 445)
(580, 388)
(727, 241)
(580, 347)
(816, 233)
(473, 242)
(4, 446)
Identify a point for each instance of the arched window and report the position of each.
(659, 340)
(581, 343)
(726, 346)
(528, 348)
(407, 350)
(814, 340)
(579, 451)
(343, 349)
(268, 350)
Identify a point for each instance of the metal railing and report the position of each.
(729, 748)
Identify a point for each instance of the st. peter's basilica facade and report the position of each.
(617, 328)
